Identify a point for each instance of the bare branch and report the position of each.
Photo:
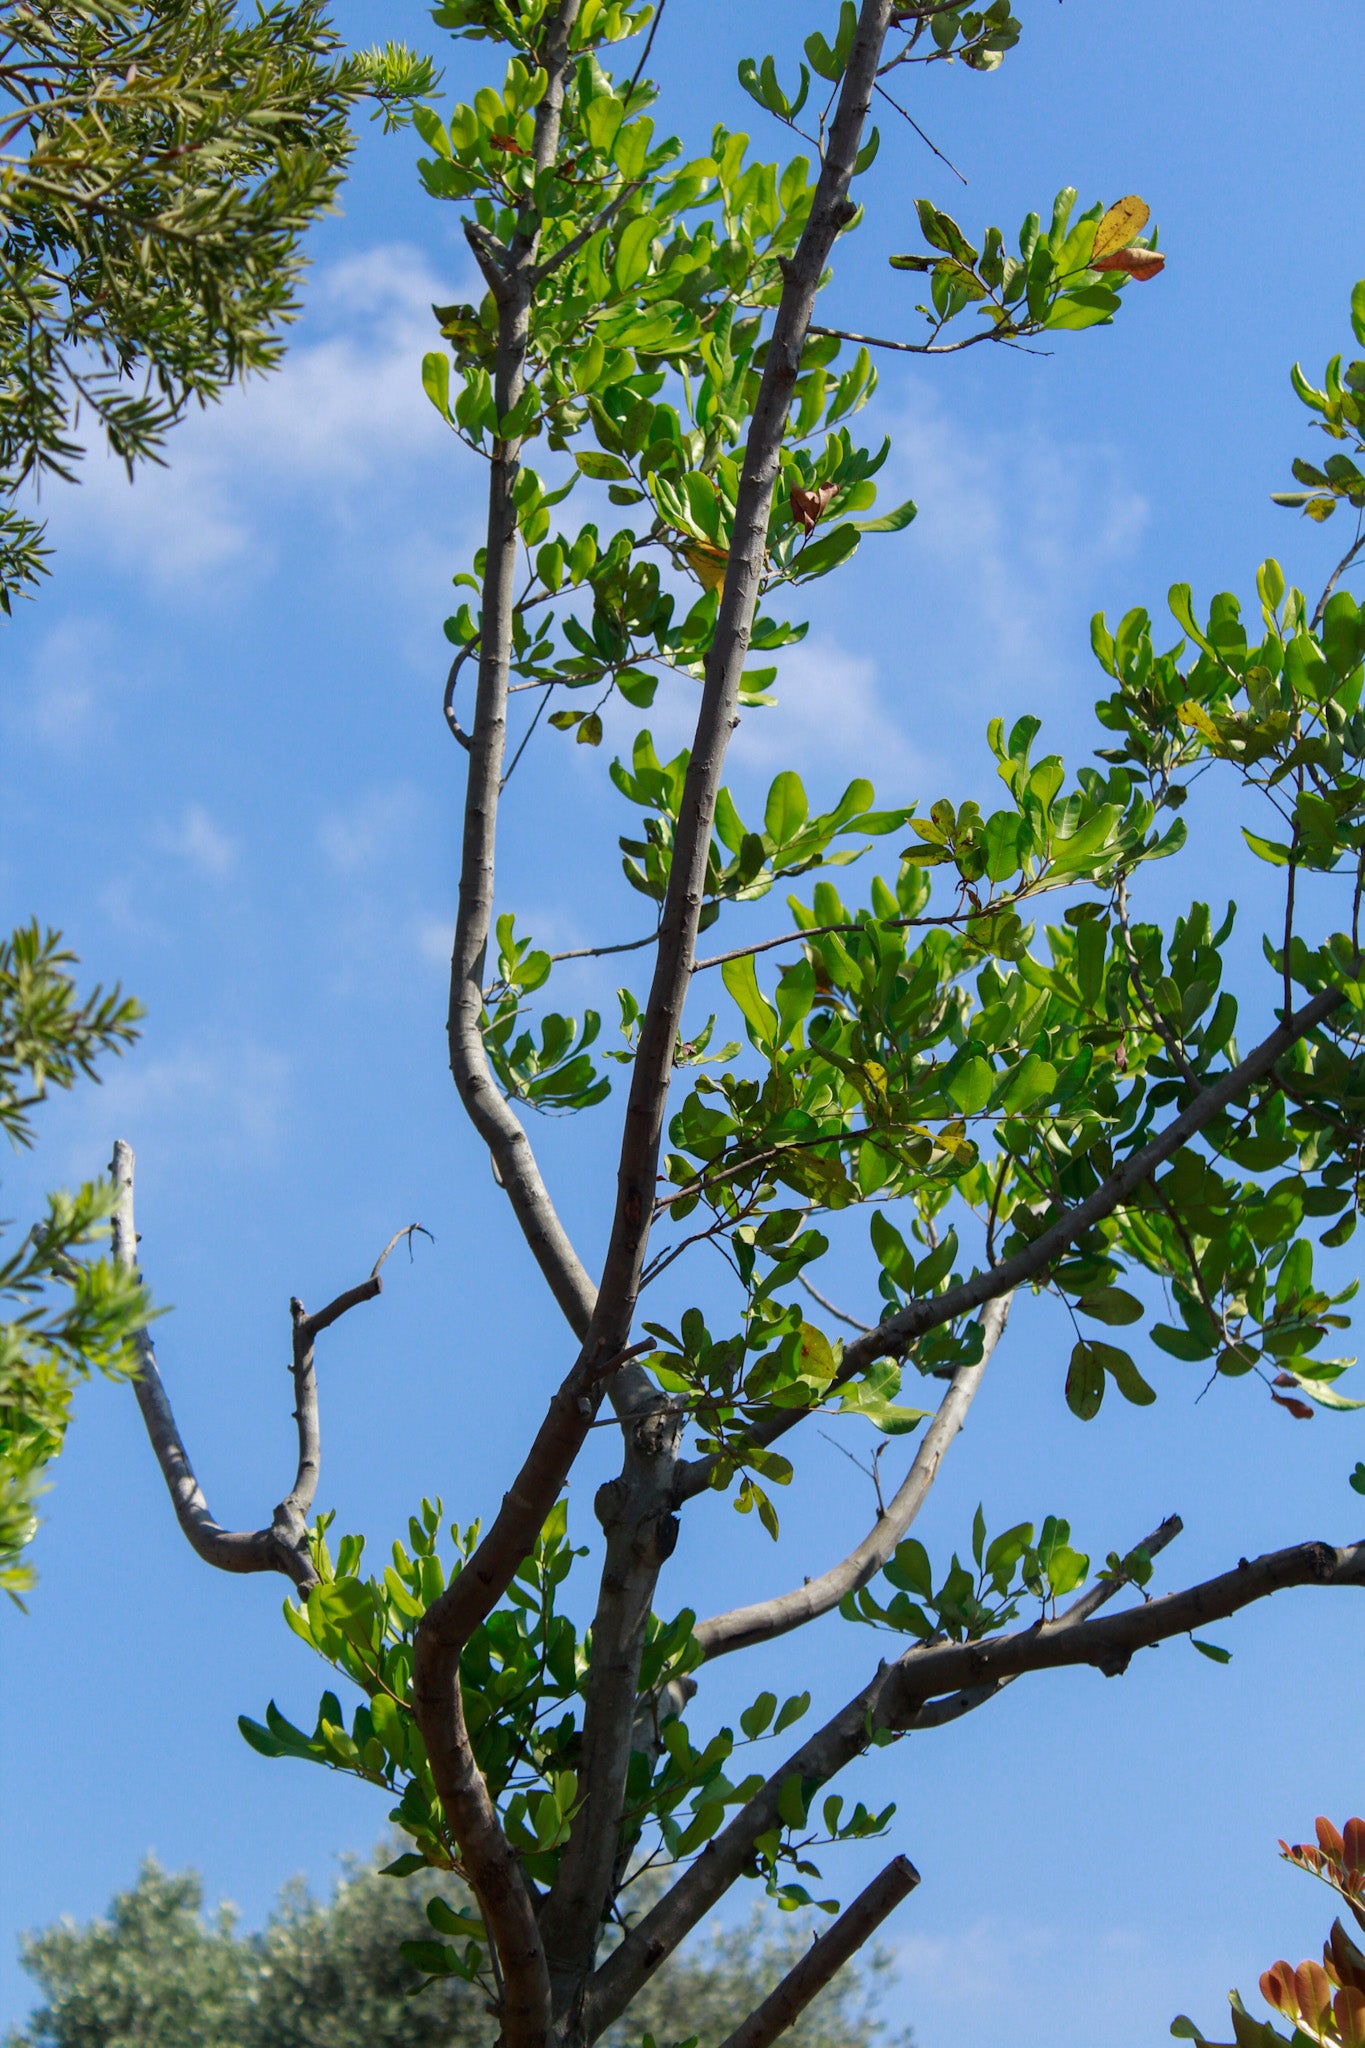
(931, 348)
(826, 1957)
(926, 140)
(917, 1317)
(840, 1314)
(1332, 581)
(759, 1623)
(488, 1110)
(896, 1695)
(283, 1547)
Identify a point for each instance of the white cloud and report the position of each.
(201, 843)
(434, 937)
(222, 1104)
(831, 721)
(65, 702)
(1013, 535)
(357, 840)
(346, 410)
(1035, 1984)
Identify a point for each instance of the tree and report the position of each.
(1077, 1114)
(161, 163)
(73, 1309)
(329, 1975)
(1323, 2002)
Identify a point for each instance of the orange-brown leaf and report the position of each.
(1277, 1989)
(1354, 1844)
(1349, 2010)
(1314, 1993)
(1125, 219)
(809, 507)
(1329, 1840)
(1138, 263)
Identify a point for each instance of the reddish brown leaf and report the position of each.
(1138, 263)
(1349, 2008)
(1284, 1379)
(1329, 1840)
(1299, 1409)
(1277, 1989)
(1354, 1844)
(809, 507)
(1314, 1993)
(1347, 1964)
(507, 145)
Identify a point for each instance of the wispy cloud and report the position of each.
(64, 702)
(357, 840)
(221, 1104)
(200, 843)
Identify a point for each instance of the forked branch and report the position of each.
(283, 1547)
(759, 1623)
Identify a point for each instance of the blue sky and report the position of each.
(224, 773)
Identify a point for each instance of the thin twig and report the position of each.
(1342, 566)
(906, 116)
(841, 1314)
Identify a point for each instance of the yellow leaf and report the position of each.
(1195, 715)
(1125, 218)
(707, 566)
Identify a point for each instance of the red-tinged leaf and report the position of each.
(1349, 2009)
(507, 145)
(1284, 1379)
(1354, 1844)
(1348, 1964)
(1314, 1990)
(1138, 263)
(1300, 1410)
(809, 507)
(1277, 1989)
(1329, 1841)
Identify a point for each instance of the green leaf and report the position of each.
(633, 252)
(890, 522)
(1215, 1656)
(755, 1719)
(1357, 1478)
(1084, 1382)
(436, 381)
(787, 809)
(791, 1710)
(741, 980)
(970, 1087)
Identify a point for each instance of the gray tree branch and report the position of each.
(511, 279)
(826, 1957)
(898, 1693)
(744, 1626)
(283, 1547)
